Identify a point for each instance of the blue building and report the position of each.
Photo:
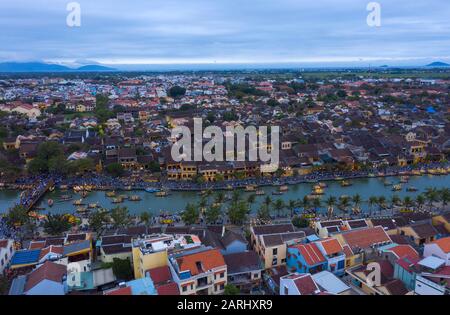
(305, 258)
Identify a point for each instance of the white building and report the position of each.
(439, 248)
(6, 253)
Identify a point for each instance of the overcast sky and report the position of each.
(224, 31)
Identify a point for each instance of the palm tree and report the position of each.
(267, 201)
(445, 197)
(264, 213)
(278, 206)
(395, 200)
(291, 205)
(236, 196)
(306, 203)
(251, 199)
(432, 196)
(356, 199)
(344, 203)
(330, 202)
(420, 201)
(317, 203)
(145, 217)
(220, 197)
(381, 203)
(372, 201)
(407, 202)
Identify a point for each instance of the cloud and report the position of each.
(179, 31)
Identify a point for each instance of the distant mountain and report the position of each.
(438, 64)
(95, 68)
(46, 67)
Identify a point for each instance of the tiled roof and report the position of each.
(51, 249)
(306, 285)
(404, 250)
(444, 244)
(242, 262)
(120, 291)
(273, 229)
(200, 262)
(160, 275)
(424, 230)
(365, 238)
(168, 289)
(310, 253)
(331, 246)
(50, 271)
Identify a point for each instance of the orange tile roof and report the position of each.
(364, 238)
(311, 253)
(121, 291)
(404, 250)
(444, 244)
(51, 249)
(36, 245)
(331, 246)
(209, 259)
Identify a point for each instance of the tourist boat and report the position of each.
(117, 200)
(322, 185)
(277, 193)
(404, 179)
(50, 202)
(82, 210)
(93, 205)
(151, 190)
(65, 198)
(283, 188)
(397, 187)
(411, 189)
(123, 197)
(317, 190)
(78, 202)
(250, 188)
(162, 194)
(260, 192)
(135, 198)
(110, 194)
(345, 183)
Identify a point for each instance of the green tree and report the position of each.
(264, 213)
(145, 217)
(120, 216)
(291, 205)
(18, 216)
(115, 169)
(238, 212)
(56, 224)
(98, 221)
(213, 213)
(231, 290)
(122, 269)
(432, 196)
(278, 206)
(190, 214)
(373, 200)
(300, 222)
(330, 202)
(176, 91)
(444, 195)
(420, 201)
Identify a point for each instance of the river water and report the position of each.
(177, 201)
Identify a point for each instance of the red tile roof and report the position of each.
(51, 249)
(331, 246)
(160, 275)
(49, 270)
(36, 245)
(404, 250)
(365, 238)
(168, 289)
(208, 260)
(3, 243)
(121, 291)
(310, 253)
(306, 285)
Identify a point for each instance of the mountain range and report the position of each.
(47, 67)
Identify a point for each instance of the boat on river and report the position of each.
(345, 183)
(397, 187)
(78, 202)
(260, 193)
(317, 190)
(250, 188)
(110, 194)
(162, 193)
(283, 188)
(151, 190)
(134, 198)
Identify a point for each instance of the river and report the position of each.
(176, 201)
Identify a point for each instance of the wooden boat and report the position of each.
(277, 193)
(135, 198)
(260, 193)
(404, 179)
(110, 194)
(162, 194)
(411, 189)
(250, 188)
(317, 190)
(92, 205)
(345, 183)
(117, 200)
(82, 210)
(65, 198)
(283, 188)
(322, 185)
(78, 202)
(397, 187)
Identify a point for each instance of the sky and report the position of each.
(119, 32)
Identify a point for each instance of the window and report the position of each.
(274, 261)
(275, 251)
(222, 286)
(222, 274)
(184, 288)
(286, 291)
